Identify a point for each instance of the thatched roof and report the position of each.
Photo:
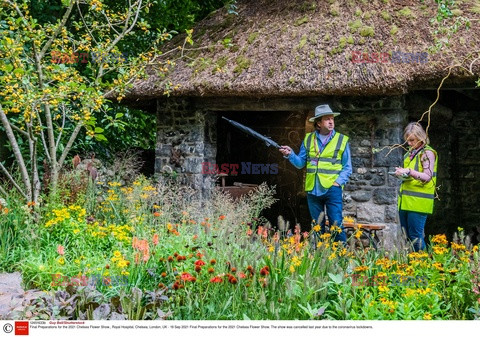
(304, 48)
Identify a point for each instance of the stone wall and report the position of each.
(373, 126)
(186, 137)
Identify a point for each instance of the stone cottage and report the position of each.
(377, 62)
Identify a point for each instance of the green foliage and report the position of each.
(221, 260)
(367, 31)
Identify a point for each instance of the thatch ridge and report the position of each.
(304, 48)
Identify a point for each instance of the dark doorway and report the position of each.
(236, 147)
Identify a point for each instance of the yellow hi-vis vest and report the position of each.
(326, 165)
(415, 195)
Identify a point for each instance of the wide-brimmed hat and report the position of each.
(323, 110)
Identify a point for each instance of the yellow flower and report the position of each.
(383, 289)
(292, 269)
(61, 261)
(316, 228)
(358, 234)
(456, 246)
(439, 250)
(76, 231)
(122, 264)
(427, 316)
(41, 267)
(440, 239)
(117, 253)
(361, 268)
(332, 256)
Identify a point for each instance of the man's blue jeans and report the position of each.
(414, 225)
(332, 201)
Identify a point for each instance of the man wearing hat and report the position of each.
(326, 153)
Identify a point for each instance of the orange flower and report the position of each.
(198, 269)
(233, 269)
(170, 258)
(164, 274)
(60, 250)
(241, 275)
(211, 270)
(221, 217)
(216, 279)
(31, 203)
(199, 255)
(249, 232)
(232, 280)
(186, 277)
(155, 239)
(156, 214)
(213, 261)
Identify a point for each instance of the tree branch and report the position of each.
(16, 151)
(57, 31)
(9, 176)
(42, 135)
(73, 136)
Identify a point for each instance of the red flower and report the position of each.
(186, 277)
(233, 269)
(176, 286)
(199, 255)
(241, 275)
(198, 269)
(155, 239)
(216, 279)
(170, 258)
(199, 263)
(221, 217)
(264, 271)
(175, 254)
(232, 280)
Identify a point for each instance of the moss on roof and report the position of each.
(306, 48)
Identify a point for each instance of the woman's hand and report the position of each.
(399, 171)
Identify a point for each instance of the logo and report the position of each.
(21, 328)
(8, 328)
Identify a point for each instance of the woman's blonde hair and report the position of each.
(416, 130)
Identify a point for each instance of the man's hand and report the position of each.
(285, 150)
(336, 184)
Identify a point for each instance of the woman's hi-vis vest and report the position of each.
(415, 195)
(326, 165)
